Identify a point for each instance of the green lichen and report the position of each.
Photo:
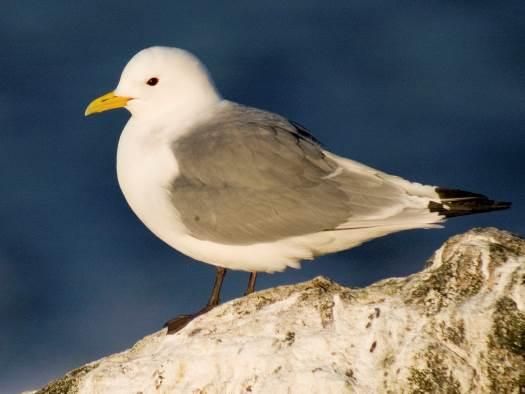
(321, 295)
(387, 287)
(388, 361)
(326, 312)
(456, 279)
(498, 254)
(435, 377)
(512, 243)
(509, 326)
(459, 275)
(506, 348)
(454, 332)
(69, 383)
(289, 338)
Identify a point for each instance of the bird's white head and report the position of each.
(159, 80)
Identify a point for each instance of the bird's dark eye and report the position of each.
(152, 81)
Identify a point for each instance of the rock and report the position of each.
(456, 327)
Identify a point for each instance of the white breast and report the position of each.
(145, 168)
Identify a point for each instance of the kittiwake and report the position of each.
(246, 189)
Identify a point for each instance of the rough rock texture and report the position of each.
(456, 327)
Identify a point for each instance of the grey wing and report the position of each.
(249, 176)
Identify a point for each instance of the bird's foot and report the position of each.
(178, 323)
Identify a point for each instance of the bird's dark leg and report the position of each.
(181, 321)
(251, 283)
(216, 291)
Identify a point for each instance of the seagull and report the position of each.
(245, 189)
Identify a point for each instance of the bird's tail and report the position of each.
(458, 202)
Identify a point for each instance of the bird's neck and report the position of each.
(169, 125)
(177, 117)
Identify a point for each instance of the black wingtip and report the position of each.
(455, 202)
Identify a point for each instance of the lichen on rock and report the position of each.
(68, 384)
(458, 326)
(506, 347)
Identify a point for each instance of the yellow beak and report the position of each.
(105, 103)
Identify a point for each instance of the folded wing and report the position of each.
(249, 176)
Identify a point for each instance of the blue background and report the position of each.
(433, 91)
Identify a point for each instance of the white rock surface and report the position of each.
(456, 327)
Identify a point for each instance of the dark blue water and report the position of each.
(433, 91)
